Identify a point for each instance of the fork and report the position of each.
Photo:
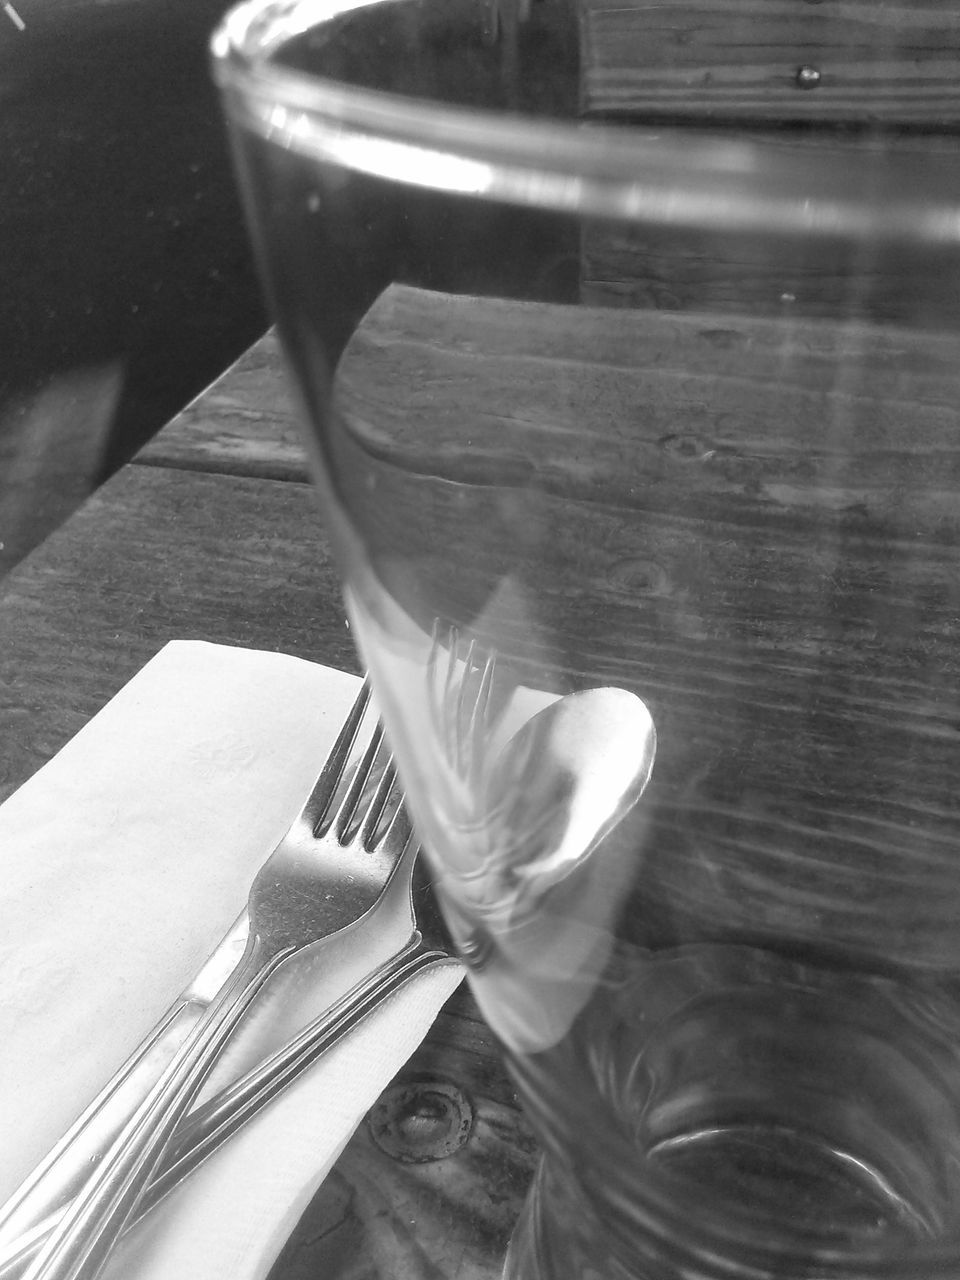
(334, 850)
(207, 1127)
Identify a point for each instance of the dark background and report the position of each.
(126, 280)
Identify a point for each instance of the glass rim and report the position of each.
(684, 176)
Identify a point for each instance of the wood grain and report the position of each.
(156, 555)
(738, 60)
(884, 76)
(753, 420)
(245, 424)
(768, 273)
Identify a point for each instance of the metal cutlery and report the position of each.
(340, 850)
(206, 1128)
(55, 1181)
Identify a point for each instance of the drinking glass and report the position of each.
(618, 376)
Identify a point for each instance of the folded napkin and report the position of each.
(122, 863)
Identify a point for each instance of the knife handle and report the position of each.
(57, 1179)
(80, 1243)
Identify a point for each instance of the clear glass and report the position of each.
(634, 421)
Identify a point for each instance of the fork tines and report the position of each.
(364, 798)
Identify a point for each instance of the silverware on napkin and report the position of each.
(206, 1128)
(341, 848)
(59, 1176)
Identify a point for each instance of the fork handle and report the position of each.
(66, 1167)
(79, 1245)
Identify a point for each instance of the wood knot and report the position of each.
(687, 447)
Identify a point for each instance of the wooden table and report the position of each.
(752, 590)
(213, 533)
(795, 79)
(772, 61)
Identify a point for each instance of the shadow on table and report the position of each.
(126, 280)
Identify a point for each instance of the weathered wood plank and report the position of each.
(769, 274)
(739, 59)
(573, 343)
(735, 63)
(739, 415)
(244, 424)
(766, 276)
(156, 555)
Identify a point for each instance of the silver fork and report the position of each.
(207, 1127)
(331, 853)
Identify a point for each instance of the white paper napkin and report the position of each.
(122, 863)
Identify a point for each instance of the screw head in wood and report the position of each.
(807, 77)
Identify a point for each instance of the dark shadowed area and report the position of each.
(126, 280)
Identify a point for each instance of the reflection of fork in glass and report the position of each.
(459, 678)
(328, 871)
(460, 698)
(490, 761)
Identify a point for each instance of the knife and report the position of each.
(65, 1169)
(41, 1201)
